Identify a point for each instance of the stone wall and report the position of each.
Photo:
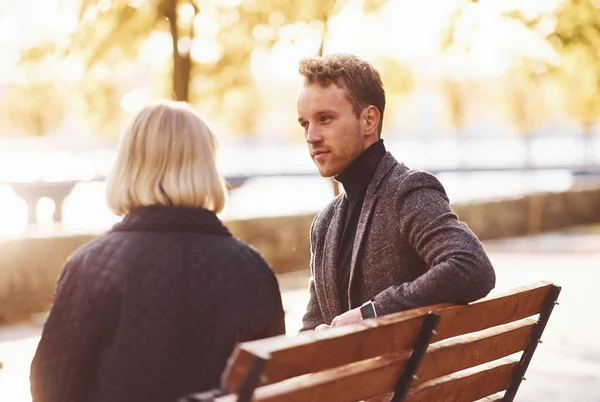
(28, 272)
(29, 267)
(532, 214)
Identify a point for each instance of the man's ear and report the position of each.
(370, 120)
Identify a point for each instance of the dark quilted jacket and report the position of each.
(152, 310)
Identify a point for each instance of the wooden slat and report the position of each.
(456, 354)
(379, 376)
(466, 386)
(514, 305)
(349, 383)
(311, 351)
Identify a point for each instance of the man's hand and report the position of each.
(348, 317)
(321, 327)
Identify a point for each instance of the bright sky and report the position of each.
(406, 30)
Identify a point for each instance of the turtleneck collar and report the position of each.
(359, 173)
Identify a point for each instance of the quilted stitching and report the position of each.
(152, 310)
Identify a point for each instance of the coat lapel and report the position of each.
(330, 259)
(386, 165)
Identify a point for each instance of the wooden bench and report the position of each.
(438, 353)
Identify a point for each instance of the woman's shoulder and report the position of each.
(244, 257)
(101, 253)
(240, 249)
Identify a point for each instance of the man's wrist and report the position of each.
(367, 310)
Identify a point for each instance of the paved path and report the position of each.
(565, 368)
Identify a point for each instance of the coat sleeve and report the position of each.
(459, 269)
(266, 317)
(313, 316)
(66, 360)
(276, 321)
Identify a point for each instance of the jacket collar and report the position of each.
(334, 236)
(386, 165)
(168, 218)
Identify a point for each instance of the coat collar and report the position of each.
(168, 218)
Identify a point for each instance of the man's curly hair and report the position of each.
(360, 79)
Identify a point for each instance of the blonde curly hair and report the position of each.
(358, 77)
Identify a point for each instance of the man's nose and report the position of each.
(312, 135)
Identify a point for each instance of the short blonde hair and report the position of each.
(166, 157)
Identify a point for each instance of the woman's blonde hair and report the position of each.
(166, 157)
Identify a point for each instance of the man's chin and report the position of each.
(327, 174)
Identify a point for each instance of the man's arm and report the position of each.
(460, 271)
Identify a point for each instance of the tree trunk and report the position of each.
(323, 35)
(181, 63)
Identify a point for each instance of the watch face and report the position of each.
(367, 311)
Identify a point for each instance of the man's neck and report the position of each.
(359, 173)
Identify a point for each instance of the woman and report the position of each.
(152, 310)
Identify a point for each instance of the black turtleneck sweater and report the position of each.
(355, 179)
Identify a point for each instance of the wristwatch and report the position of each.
(367, 310)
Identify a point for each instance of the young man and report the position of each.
(390, 242)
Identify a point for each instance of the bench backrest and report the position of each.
(286, 362)
(470, 357)
(378, 357)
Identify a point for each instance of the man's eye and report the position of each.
(325, 118)
(304, 124)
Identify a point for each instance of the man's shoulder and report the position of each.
(404, 180)
(326, 214)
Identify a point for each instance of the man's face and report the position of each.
(331, 130)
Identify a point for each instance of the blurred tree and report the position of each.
(576, 38)
(211, 39)
(33, 103)
(34, 108)
(580, 83)
(573, 31)
(397, 77)
(456, 89)
(526, 105)
(212, 43)
(453, 91)
(398, 80)
(464, 98)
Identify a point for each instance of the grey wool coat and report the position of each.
(410, 249)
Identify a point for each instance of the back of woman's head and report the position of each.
(166, 157)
